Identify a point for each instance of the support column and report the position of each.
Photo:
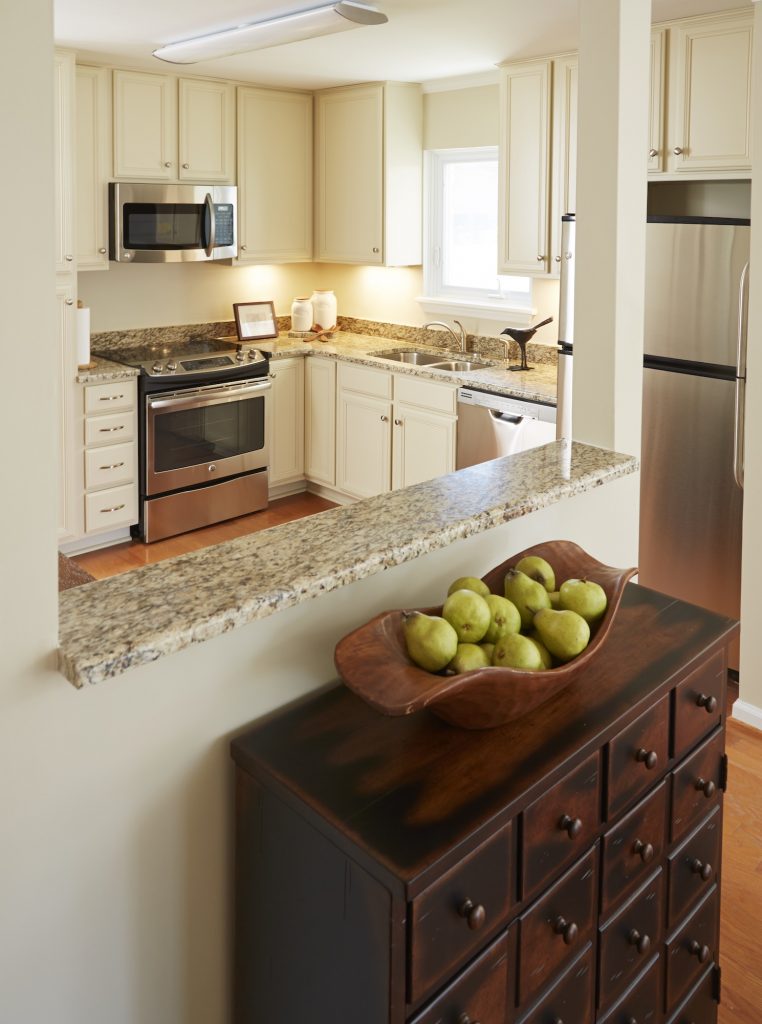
(614, 85)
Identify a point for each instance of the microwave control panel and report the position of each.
(223, 215)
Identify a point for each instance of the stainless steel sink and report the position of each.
(415, 358)
(459, 365)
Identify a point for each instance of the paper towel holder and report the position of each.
(82, 337)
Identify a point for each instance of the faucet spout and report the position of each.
(460, 338)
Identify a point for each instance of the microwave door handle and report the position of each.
(211, 220)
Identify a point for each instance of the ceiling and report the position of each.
(423, 41)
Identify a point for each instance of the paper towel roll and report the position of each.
(83, 336)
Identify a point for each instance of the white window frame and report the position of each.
(513, 309)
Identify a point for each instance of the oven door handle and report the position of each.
(210, 212)
(201, 398)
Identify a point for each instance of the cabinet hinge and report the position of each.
(717, 984)
(724, 772)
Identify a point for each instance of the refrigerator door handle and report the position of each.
(740, 398)
(743, 288)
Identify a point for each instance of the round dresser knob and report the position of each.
(465, 1019)
(702, 952)
(647, 757)
(186, 167)
(653, 152)
(568, 929)
(102, 252)
(376, 248)
(641, 942)
(168, 163)
(700, 868)
(709, 704)
(572, 826)
(557, 259)
(678, 151)
(645, 850)
(707, 787)
(474, 913)
(398, 423)
(540, 258)
(632, 1020)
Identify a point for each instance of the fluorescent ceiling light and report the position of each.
(257, 35)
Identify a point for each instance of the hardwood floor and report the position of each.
(134, 554)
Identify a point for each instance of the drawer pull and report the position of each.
(110, 430)
(645, 850)
(709, 704)
(641, 942)
(465, 1019)
(702, 952)
(116, 508)
(708, 788)
(114, 465)
(572, 826)
(474, 914)
(568, 929)
(700, 868)
(110, 398)
(647, 757)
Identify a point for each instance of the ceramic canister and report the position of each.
(301, 314)
(324, 307)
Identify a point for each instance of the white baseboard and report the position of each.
(747, 713)
(92, 543)
(322, 491)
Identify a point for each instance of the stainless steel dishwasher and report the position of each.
(490, 426)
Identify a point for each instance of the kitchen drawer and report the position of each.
(692, 947)
(450, 920)
(109, 509)
(111, 397)
(637, 755)
(629, 938)
(570, 1000)
(557, 926)
(641, 1001)
(693, 866)
(109, 429)
(425, 394)
(633, 848)
(699, 702)
(483, 992)
(560, 824)
(110, 465)
(365, 380)
(696, 785)
(700, 1007)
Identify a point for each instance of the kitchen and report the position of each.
(186, 999)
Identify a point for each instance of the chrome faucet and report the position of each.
(460, 339)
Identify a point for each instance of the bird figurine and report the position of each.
(521, 337)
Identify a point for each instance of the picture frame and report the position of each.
(255, 320)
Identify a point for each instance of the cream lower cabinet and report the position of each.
(286, 429)
(110, 456)
(320, 421)
(68, 399)
(423, 430)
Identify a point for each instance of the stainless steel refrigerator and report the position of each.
(693, 404)
(566, 327)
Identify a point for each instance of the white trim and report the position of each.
(747, 713)
(457, 82)
(95, 541)
(506, 316)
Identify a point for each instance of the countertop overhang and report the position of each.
(140, 616)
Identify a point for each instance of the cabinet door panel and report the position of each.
(633, 847)
(424, 445)
(320, 421)
(363, 462)
(699, 703)
(63, 154)
(696, 785)
(564, 182)
(93, 154)
(69, 397)
(637, 755)
(656, 155)
(693, 866)
(287, 419)
(145, 126)
(692, 948)
(630, 938)
(207, 131)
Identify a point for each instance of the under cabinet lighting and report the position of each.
(257, 35)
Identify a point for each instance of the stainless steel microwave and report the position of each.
(155, 223)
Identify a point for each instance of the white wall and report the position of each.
(461, 117)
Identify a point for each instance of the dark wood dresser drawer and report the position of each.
(633, 847)
(636, 755)
(692, 947)
(700, 1007)
(557, 926)
(693, 866)
(696, 785)
(571, 998)
(482, 992)
(640, 1003)
(699, 701)
(450, 920)
(559, 825)
(629, 938)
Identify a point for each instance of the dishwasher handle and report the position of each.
(506, 417)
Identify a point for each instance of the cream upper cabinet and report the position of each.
(563, 189)
(63, 67)
(368, 174)
(657, 100)
(320, 420)
(93, 151)
(274, 176)
(170, 130)
(286, 421)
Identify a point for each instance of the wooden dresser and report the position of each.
(561, 870)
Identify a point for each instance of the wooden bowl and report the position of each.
(373, 660)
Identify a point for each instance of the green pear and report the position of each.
(505, 617)
(468, 657)
(469, 615)
(545, 655)
(538, 569)
(516, 651)
(489, 650)
(469, 583)
(564, 633)
(555, 599)
(584, 597)
(528, 595)
(430, 640)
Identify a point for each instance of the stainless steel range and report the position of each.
(202, 433)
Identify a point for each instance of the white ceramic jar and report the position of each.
(301, 314)
(324, 307)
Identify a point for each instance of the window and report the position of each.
(460, 252)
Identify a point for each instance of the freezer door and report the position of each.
(692, 278)
(691, 507)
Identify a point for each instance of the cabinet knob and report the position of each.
(398, 423)
(568, 929)
(709, 704)
(68, 258)
(653, 152)
(645, 850)
(632, 1020)
(678, 150)
(702, 952)
(474, 914)
(647, 757)
(272, 376)
(572, 826)
(557, 259)
(707, 787)
(376, 249)
(641, 942)
(186, 166)
(540, 258)
(384, 419)
(102, 252)
(69, 302)
(244, 248)
(168, 163)
(701, 868)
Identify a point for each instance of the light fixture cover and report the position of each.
(257, 35)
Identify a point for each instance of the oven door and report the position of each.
(205, 434)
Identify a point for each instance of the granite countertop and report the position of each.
(111, 625)
(102, 370)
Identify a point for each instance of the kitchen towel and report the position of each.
(83, 335)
